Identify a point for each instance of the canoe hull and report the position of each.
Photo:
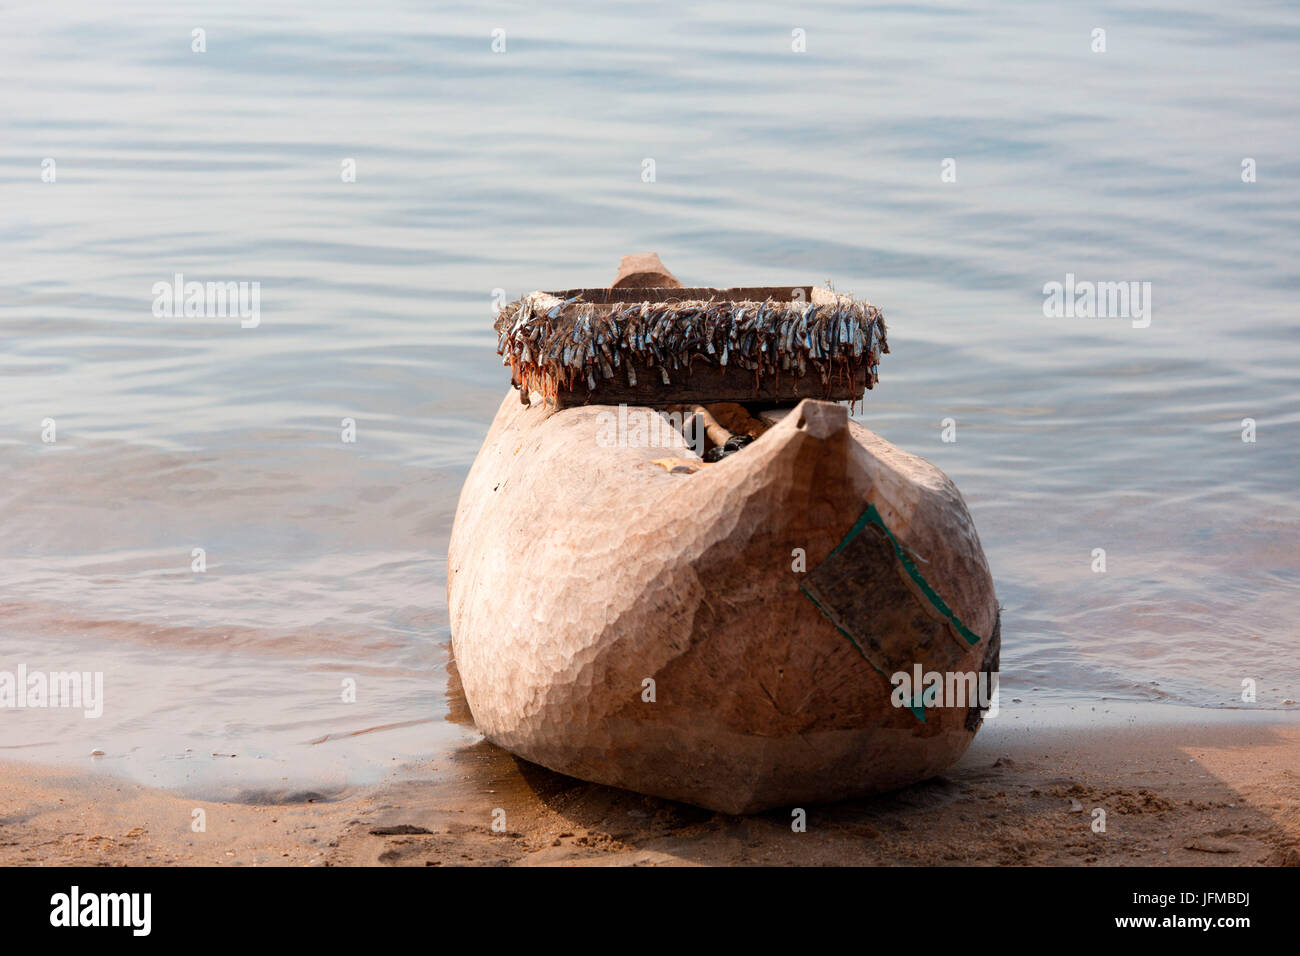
(651, 631)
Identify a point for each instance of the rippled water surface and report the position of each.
(519, 170)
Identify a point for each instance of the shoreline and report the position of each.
(1204, 787)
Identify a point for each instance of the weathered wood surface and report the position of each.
(643, 270)
(576, 572)
(778, 293)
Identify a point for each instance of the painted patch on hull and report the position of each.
(874, 594)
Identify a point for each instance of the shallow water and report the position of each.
(478, 171)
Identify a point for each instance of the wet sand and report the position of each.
(1219, 789)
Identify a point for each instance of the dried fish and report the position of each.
(551, 343)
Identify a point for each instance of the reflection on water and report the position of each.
(519, 170)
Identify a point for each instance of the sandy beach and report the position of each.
(1185, 789)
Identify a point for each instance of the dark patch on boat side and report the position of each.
(877, 599)
(990, 667)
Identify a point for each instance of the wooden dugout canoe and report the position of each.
(580, 571)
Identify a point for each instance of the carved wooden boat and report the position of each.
(726, 635)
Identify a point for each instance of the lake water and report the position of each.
(478, 170)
